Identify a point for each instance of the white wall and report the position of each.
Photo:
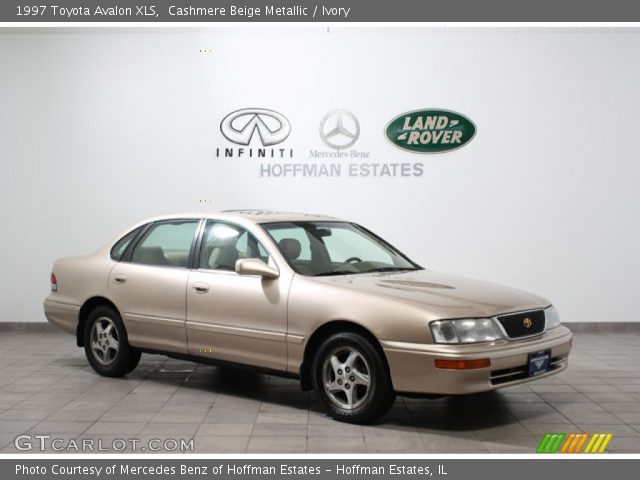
(101, 128)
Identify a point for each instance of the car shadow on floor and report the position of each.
(448, 413)
(451, 413)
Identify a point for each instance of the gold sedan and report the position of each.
(313, 297)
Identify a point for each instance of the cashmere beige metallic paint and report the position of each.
(267, 322)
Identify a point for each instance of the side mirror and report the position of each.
(255, 266)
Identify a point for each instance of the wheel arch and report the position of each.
(324, 331)
(85, 310)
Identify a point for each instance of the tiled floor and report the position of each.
(46, 387)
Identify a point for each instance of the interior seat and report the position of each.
(150, 256)
(291, 249)
(178, 259)
(223, 257)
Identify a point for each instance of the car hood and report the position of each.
(446, 296)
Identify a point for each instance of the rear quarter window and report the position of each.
(117, 252)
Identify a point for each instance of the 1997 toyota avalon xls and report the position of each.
(309, 296)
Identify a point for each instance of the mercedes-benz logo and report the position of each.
(339, 129)
(240, 126)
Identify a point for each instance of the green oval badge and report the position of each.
(430, 131)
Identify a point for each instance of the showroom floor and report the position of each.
(46, 387)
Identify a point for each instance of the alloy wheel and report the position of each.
(346, 377)
(104, 340)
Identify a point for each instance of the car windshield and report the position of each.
(335, 248)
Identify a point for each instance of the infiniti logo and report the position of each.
(240, 126)
(339, 129)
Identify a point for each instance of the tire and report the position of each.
(352, 378)
(106, 345)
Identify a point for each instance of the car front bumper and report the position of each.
(413, 368)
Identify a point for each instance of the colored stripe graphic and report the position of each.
(551, 442)
(596, 446)
(570, 443)
(573, 447)
(605, 442)
(556, 442)
(598, 443)
(594, 437)
(580, 444)
(543, 443)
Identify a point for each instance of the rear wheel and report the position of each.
(106, 345)
(352, 378)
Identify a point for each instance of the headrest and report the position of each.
(290, 248)
(149, 255)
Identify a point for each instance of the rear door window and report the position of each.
(166, 244)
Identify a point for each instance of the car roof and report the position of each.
(255, 216)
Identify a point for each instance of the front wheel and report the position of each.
(352, 378)
(106, 345)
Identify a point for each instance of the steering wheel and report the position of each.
(352, 259)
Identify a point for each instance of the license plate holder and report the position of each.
(539, 362)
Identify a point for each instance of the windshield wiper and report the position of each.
(334, 272)
(381, 269)
(390, 269)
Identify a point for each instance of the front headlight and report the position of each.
(471, 330)
(551, 318)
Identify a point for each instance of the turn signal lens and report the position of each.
(463, 364)
(54, 282)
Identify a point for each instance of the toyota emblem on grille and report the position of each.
(527, 322)
(240, 126)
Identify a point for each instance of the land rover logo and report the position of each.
(430, 131)
(339, 129)
(527, 322)
(240, 126)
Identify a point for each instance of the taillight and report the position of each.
(54, 282)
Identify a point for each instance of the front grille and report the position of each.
(498, 377)
(523, 324)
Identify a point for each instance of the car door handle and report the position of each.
(119, 279)
(200, 287)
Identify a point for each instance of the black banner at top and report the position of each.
(152, 11)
